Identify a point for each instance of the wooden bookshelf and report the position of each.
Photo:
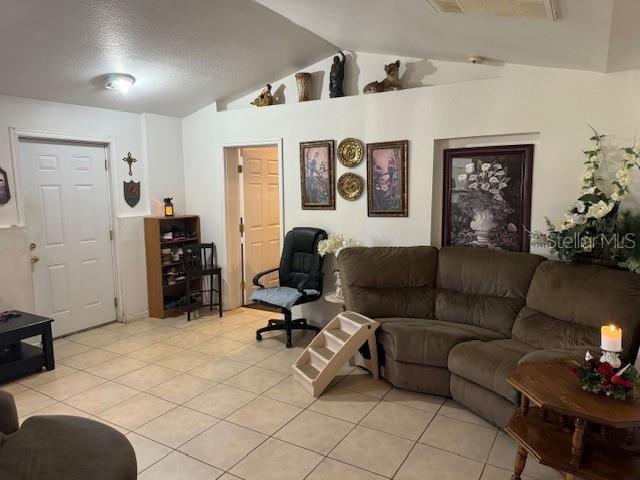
(158, 292)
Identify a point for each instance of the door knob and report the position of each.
(35, 259)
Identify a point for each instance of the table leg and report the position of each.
(47, 347)
(577, 442)
(220, 293)
(630, 436)
(520, 463)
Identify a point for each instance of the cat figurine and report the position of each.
(391, 82)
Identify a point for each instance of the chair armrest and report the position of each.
(256, 279)
(307, 279)
(8, 413)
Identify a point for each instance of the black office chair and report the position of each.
(199, 260)
(300, 275)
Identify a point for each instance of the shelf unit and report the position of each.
(157, 291)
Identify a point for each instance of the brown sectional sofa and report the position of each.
(458, 320)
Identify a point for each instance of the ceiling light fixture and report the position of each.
(121, 82)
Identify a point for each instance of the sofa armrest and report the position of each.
(558, 355)
(8, 414)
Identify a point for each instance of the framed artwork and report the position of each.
(388, 179)
(317, 175)
(5, 194)
(487, 197)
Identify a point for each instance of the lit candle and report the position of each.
(611, 338)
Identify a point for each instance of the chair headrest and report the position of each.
(305, 239)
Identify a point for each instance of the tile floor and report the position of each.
(202, 400)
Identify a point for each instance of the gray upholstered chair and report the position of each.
(60, 447)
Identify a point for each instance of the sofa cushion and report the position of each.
(60, 447)
(426, 342)
(483, 287)
(389, 281)
(488, 364)
(568, 303)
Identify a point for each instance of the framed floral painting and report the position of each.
(317, 175)
(388, 179)
(487, 197)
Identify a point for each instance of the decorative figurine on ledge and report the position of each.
(265, 98)
(392, 82)
(336, 77)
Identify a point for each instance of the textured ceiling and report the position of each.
(184, 53)
(580, 39)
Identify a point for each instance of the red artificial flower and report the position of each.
(618, 380)
(606, 370)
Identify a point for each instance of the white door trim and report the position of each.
(269, 142)
(15, 135)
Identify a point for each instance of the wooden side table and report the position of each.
(576, 432)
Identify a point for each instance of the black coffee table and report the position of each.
(18, 358)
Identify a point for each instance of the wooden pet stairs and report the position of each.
(334, 346)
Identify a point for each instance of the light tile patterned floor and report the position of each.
(202, 400)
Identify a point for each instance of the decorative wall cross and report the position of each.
(130, 161)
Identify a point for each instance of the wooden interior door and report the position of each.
(67, 211)
(261, 215)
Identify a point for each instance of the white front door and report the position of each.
(261, 215)
(67, 211)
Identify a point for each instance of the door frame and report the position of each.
(108, 143)
(227, 222)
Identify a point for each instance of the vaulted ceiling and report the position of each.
(186, 54)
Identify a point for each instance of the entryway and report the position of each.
(68, 216)
(253, 211)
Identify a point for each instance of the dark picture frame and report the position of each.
(5, 192)
(317, 175)
(388, 179)
(487, 196)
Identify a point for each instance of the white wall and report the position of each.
(362, 68)
(554, 105)
(154, 140)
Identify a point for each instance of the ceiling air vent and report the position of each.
(542, 9)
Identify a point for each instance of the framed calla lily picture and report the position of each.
(487, 197)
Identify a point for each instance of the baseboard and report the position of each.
(135, 316)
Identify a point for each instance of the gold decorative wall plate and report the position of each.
(350, 186)
(350, 152)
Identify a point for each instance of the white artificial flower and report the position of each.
(580, 206)
(579, 219)
(599, 209)
(588, 174)
(493, 180)
(485, 167)
(588, 357)
(473, 177)
(462, 178)
(484, 186)
(497, 166)
(500, 173)
(616, 197)
(469, 168)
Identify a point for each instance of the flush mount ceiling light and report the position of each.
(121, 82)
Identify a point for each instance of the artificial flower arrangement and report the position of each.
(335, 244)
(602, 378)
(594, 227)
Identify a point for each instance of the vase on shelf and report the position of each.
(483, 224)
(303, 81)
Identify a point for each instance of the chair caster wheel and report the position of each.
(258, 337)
